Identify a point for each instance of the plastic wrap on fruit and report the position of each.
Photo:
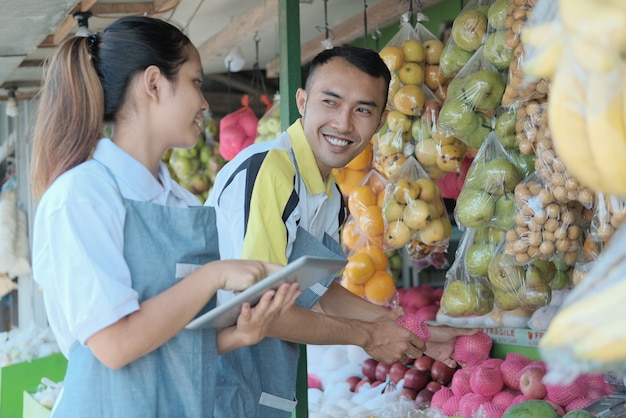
(414, 210)
(391, 156)
(433, 78)
(609, 213)
(565, 187)
(268, 127)
(487, 195)
(519, 87)
(465, 296)
(588, 334)
(543, 227)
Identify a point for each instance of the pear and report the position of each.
(452, 59)
(457, 118)
(507, 301)
(496, 14)
(535, 293)
(499, 176)
(477, 258)
(561, 280)
(546, 268)
(476, 138)
(504, 212)
(484, 89)
(468, 29)
(505, 124)
(462, 298)
(505, 274)
(489, 235)
(474, 208)
(496, 50)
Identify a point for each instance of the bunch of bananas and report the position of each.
(582, 50)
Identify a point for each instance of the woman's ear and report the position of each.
(151, 81)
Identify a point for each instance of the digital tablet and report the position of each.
(306, 270)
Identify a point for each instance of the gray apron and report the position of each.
(260, 380)
(161, 245)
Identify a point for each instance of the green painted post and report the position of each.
(290, 79)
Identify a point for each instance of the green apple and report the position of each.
(496, 14)
(496, 50)
(452, 59)
(469, 28)
(505, 274)
(499, 176)
(476, 138)
(484, 89)
(474, 208)
(457, 118)
(477, 258)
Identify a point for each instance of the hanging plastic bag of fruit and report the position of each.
(433, 77)
(355, 171)
(463, 296)
(588, 334)
(519, 88)
(415, 217)
(238, 130)
(543, 227)
(486, 198)
(269, 127)
(472, 97)
(609, 213)
(468, 32)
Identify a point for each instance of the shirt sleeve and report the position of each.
(79, 261)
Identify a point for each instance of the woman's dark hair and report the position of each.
(364, 59)
(86, 84)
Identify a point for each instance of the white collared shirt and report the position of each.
(78, 241)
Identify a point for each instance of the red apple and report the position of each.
(415, 379)
(313, 381)
(423, 398)
(369, 368)
(433, 386)
(381, 371)
(531, 383)
(427, 313)
(441, 373)
(353, 381)
(396, 372)
(407, 394)
(423, 363)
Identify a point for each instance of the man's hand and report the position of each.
(440, 345)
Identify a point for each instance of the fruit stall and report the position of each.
(492, 198)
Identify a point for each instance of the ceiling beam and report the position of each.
(380, 15)
(68, 25)
(257, 19)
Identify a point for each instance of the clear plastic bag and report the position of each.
(268, 127)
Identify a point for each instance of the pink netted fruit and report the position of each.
(440, 397)
(492, 362)
(578, 403)
(510, 369)
(503, 398)
(564, 394)
(492, 410)
(519, 399)
(460, 383)
(470, 403)
(597, 386)
(414, 324)
(486, 380)
(451, 406)
(472, 349)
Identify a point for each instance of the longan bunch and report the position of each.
(544, 226)
(516, 15)
(518, 88)
(529, 120)
(609, 213)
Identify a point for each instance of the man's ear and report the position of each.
(383, 119)
(301, 100)
(151, 81)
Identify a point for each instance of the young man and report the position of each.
(277, 201)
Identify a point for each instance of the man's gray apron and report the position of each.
(161, 245)
(260, 380)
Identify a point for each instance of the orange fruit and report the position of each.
(349, 180)
(380, 199)
(359, 269)
(380, 288)
(376, 182)
(362, 161)
(351, 234)
(393, 56)
(378, 255)
(356, 289)
(371, 221)
(360, 198)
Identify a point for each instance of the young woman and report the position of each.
(124, 255)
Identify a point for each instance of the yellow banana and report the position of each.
(600, 22)
(566, 119)
(543, 61)
(606, 130)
